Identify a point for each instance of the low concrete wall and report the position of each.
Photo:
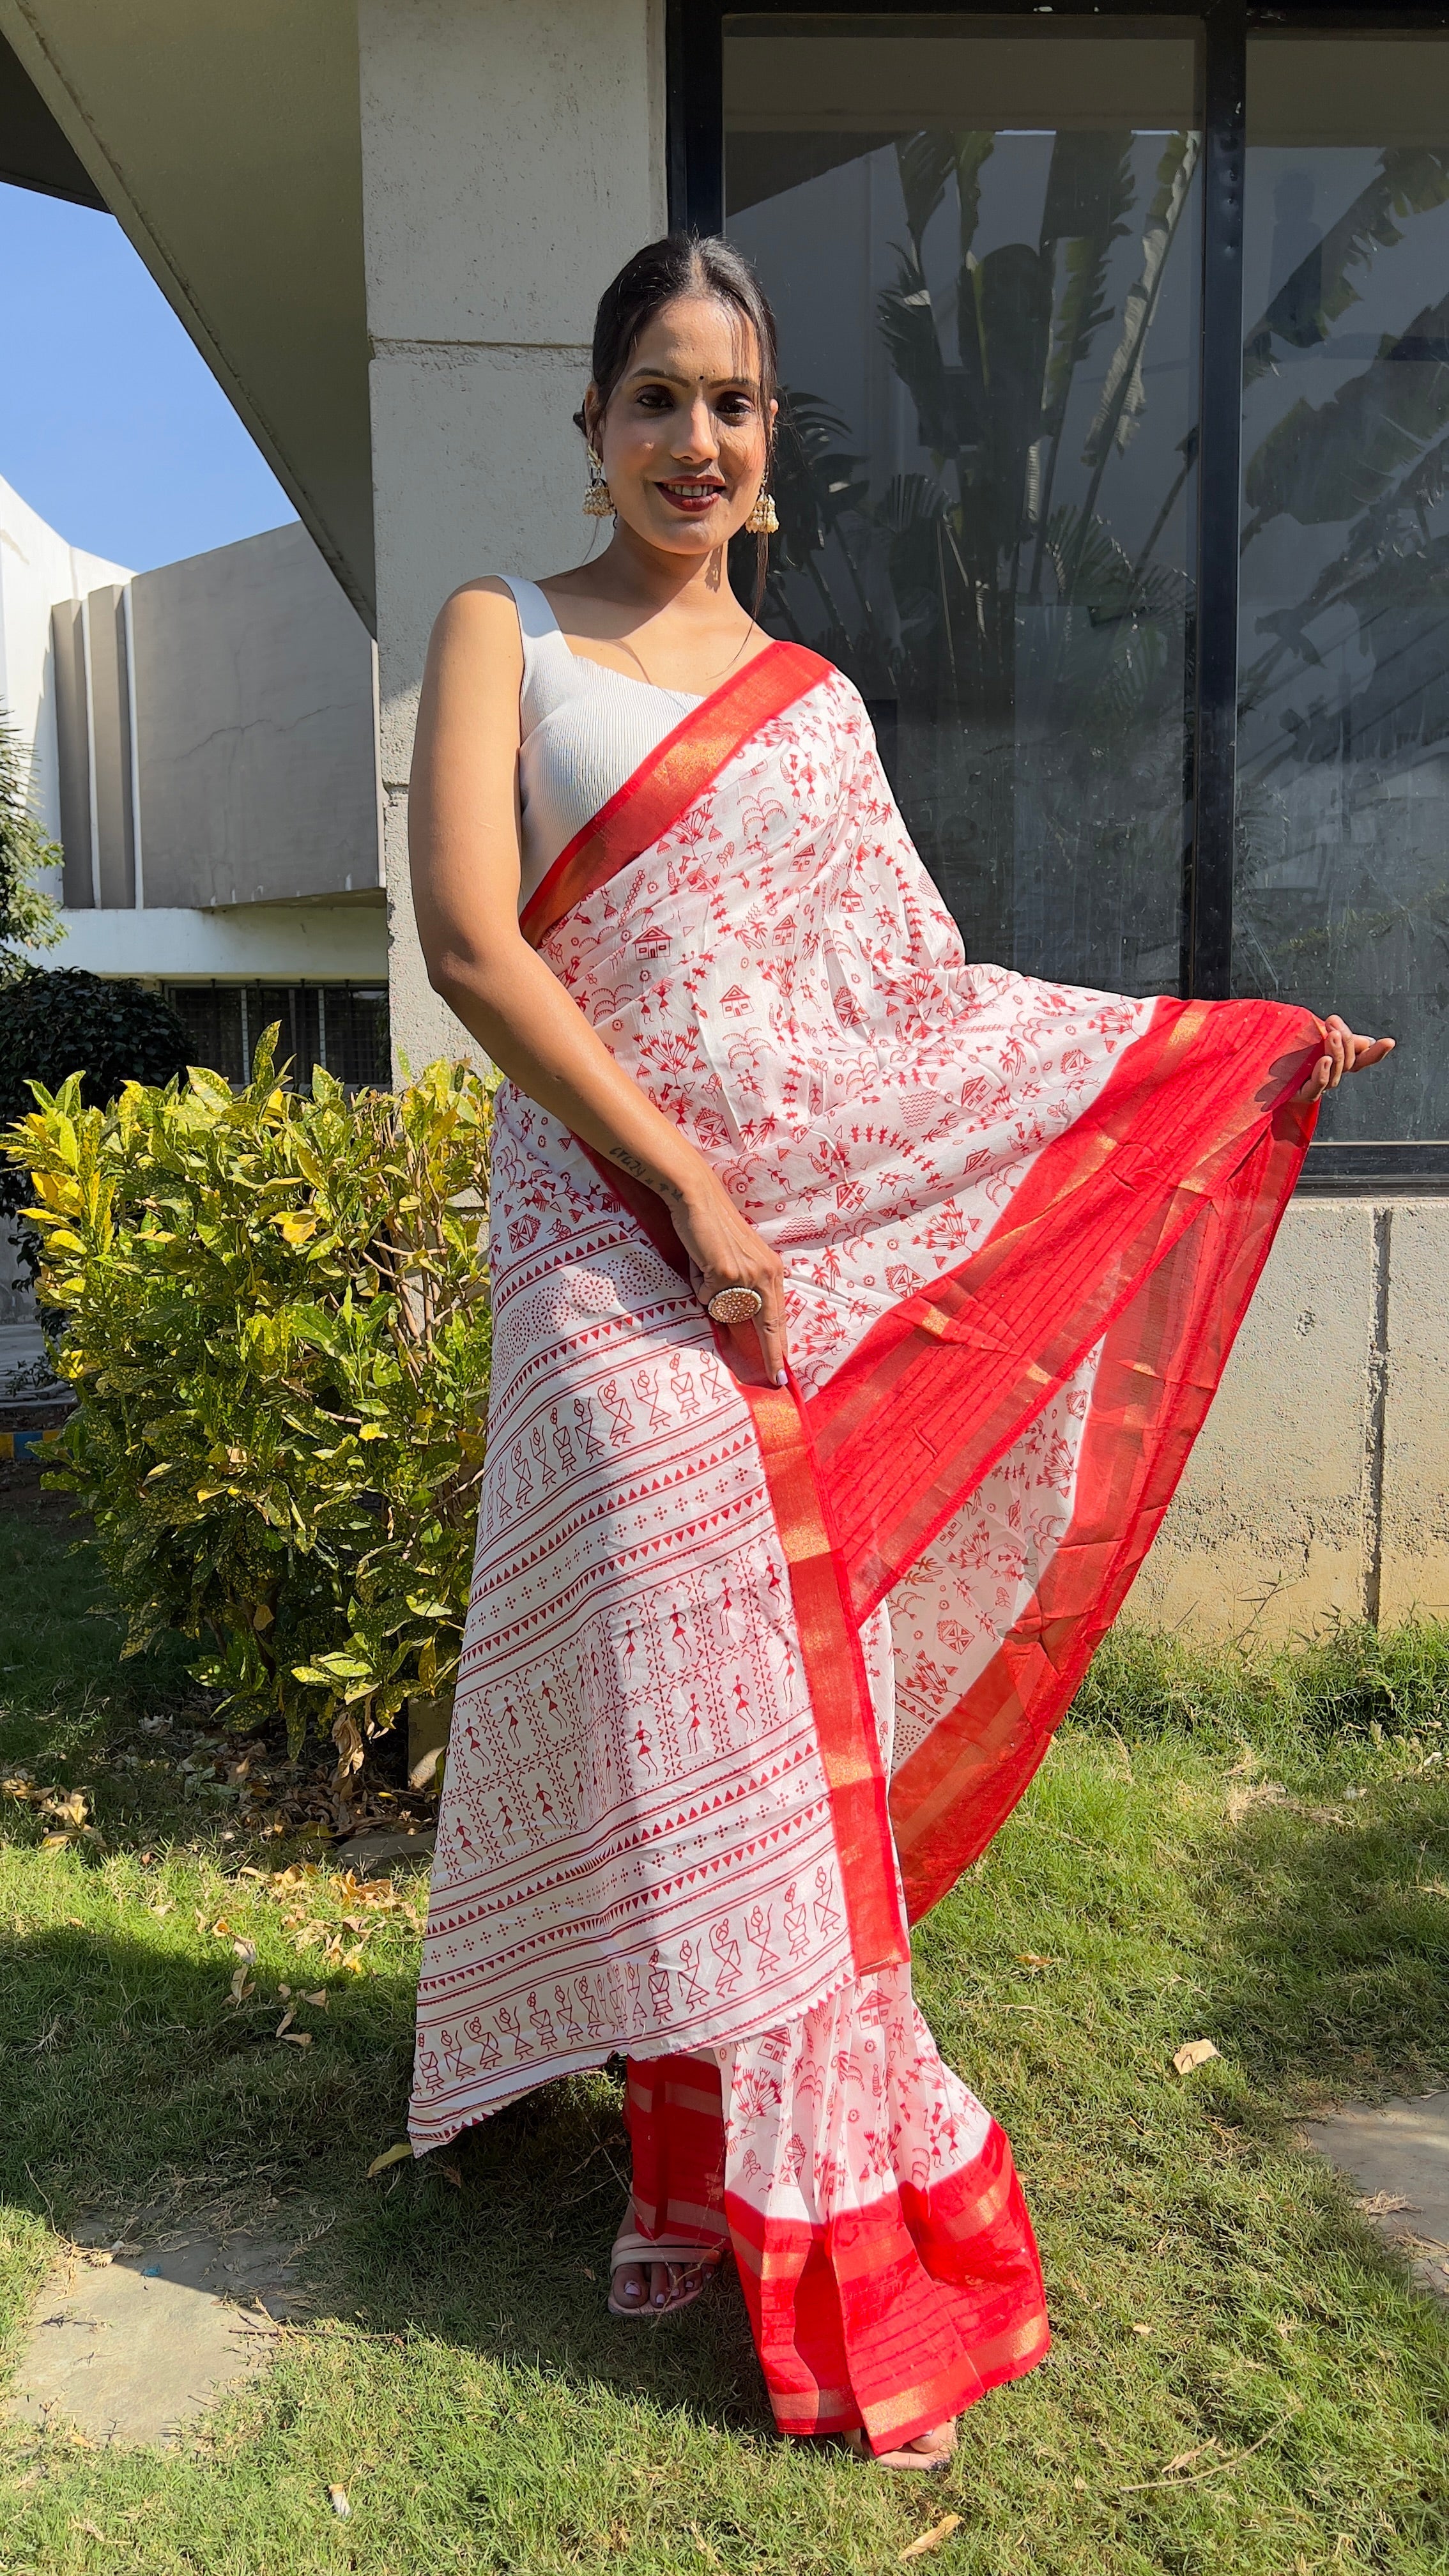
(1320, 1487)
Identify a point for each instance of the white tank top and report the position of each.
(585, 730)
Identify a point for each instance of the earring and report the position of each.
(597, 504)
(764, 519)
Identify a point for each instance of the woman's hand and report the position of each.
(728, 1253)
(1343, 1053)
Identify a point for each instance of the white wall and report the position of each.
(37, 568)
(512, 158)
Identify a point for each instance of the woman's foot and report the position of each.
(933, 2450)
(656, 2289)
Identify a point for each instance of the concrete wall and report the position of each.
(254, 707)
(248, 844)
(1320, 1488)
(512, 158)
(37, 568)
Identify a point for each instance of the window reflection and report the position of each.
(982, 244)
(1342, 893)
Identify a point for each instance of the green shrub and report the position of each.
(278, 1323)
(63, 1020)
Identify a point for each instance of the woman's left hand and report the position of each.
(1343, 1053)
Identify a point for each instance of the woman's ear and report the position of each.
(593, 415)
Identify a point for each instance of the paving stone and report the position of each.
(371, 1854)
(1398, 2154)
(130, 2347)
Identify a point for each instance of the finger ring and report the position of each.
(735, 1306)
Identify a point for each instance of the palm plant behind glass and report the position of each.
(1344, 691)
(1032, 671)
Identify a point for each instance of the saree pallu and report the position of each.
(751, 1674)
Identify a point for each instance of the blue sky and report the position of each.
(111, 425)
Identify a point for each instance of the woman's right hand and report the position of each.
(727, 1253)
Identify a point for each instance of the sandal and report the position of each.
(630, 2247)
(932, 2463)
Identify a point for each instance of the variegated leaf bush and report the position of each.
(277, 1323)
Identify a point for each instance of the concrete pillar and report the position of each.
(513, 157)
(1414, 1465)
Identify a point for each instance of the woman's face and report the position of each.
(685, 439)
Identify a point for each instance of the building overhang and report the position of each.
(227, 144)
(262, 942)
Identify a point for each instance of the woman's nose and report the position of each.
(696, 443)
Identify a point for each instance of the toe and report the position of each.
(631, 2290)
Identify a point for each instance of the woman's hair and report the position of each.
(684, 264)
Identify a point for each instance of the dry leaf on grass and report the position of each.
(69, 1806)
(1185, 2459)
(449, 2173)
(296, 2038)
(1033, 1959)
(390, 2156)
(241, 1986)
(319, 1999)
(285, 2024)
(91, 2533)
(337, 2498)
(933, 2538)
(1144, 2486)
(1259, 1793)
(246, 1950)
(1383, 2204)
(1194, 2052)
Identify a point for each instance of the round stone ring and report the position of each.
(735, 1306)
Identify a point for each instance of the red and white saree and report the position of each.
(751, 1675)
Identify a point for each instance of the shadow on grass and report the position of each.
(140, 2095)
(1313, 1938)
(1328, 1945)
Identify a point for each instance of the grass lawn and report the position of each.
(1242, 2379)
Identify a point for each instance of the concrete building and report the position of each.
(203, 748)
(386, 222)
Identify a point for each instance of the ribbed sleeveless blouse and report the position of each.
(585, 730)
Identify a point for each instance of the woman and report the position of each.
(855, 1311)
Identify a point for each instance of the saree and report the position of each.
(751, 1674)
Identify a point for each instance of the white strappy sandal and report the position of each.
(630, 2247)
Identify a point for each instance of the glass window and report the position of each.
(982, 241)
(343, 1027)
(1342, 864)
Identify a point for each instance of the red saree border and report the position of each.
(669, 778)
(958, 1369)
(950, 1796)
(835, 1676)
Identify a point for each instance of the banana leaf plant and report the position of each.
(1347, 685)
(986, 606)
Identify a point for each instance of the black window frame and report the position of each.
(694, 66)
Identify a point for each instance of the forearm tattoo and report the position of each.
(641, 1171)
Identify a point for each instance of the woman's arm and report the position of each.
(463, 834)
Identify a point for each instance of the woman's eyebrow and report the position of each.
(667, 376)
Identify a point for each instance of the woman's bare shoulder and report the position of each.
(483, 606)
